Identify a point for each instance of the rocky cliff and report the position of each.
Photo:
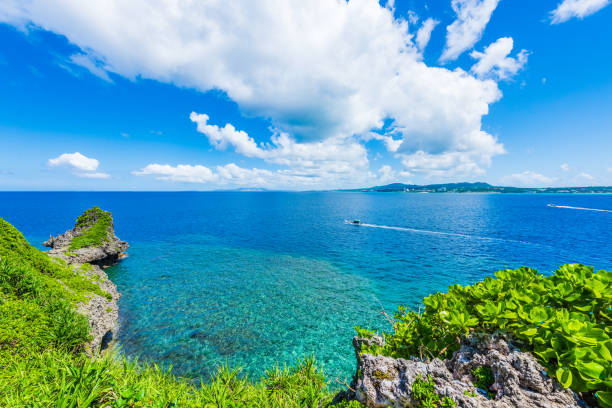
(91, 246)
(516, 378)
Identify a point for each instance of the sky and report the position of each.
(295, 95)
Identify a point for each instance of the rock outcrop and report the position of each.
(519, 380)
(104, 248)
(96, 247)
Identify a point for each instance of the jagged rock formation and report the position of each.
(92, 245)
(519, 380)
(92, 240)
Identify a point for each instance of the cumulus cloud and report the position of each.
(472, 18)
(582, 179)
(232, 175)
(220, 138)
(321, 71)
(182, 172)
(390, 143)
(330, 155)
(94, 175)
(424, 33)
(81, 165)
(452, 164)
(565, 167)
(387, 174)
(568, 9)
(528, 179)
(495, 62)
(75, 160)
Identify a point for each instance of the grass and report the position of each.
(43, 364)
(63, 380)
(52, 272)
(97, 223)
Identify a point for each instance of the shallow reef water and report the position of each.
(255, 279)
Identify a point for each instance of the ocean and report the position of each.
(252, 279)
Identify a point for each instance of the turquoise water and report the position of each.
(252, 279)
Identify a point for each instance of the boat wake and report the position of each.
(423, 231)
(578, 208)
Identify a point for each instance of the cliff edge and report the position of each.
(90, 246)
(92, 240)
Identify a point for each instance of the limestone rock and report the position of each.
(101, 312)
(104, 254)
(520, 381)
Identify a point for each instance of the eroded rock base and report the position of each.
(520, 381)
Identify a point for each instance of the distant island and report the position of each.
(478, 188)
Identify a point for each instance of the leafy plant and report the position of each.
(96, 223)
(564, 319)
(423, 391)
(484, 380)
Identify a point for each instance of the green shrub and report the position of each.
(423, 391)
(32, 262)
(97, 225)
(36, 316)
(564, 319)
(483, 379)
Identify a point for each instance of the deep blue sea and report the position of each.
(251, 279)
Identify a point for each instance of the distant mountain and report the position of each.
(477, 188)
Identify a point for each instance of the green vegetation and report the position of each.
(97, 223)
(484, 379)
(564, 319)
(423, 392)
(43, 364)
(67, 380)
(51, 272)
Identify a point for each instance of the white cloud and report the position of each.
(220, 138)
(330, 155)
(583, 178)
(94, 175)
(81, 165)
(565, 167)
(75, 160)
(413, 18)
(446, 165)
(90, 64)
(610, 169)
(387, 174)
(527, 179)
(321, 71)
(391, 144)
(424, 33)
(472, 18)
(568, 9)
(495, 63)
(231, 175)
(182, 172)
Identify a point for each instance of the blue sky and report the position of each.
(164, 95)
